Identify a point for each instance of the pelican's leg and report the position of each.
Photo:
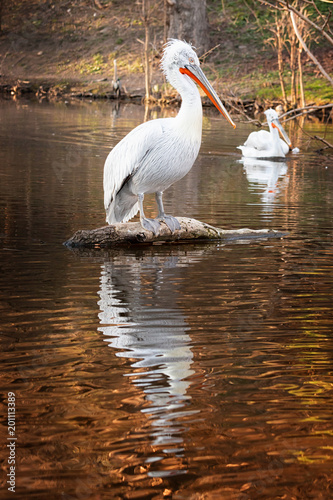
(152, 225)
(170, 221)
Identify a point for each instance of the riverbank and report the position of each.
(248, 109)
(67, 50)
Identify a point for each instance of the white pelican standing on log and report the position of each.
(265, 144)
(159, 152)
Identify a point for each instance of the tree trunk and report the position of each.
(300, 71)
(187, 20)
(165, 21)
(280, 61)
(145, 15)
(293, 51)
(191, 230)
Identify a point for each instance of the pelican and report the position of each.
(265, 144)
(159, 152)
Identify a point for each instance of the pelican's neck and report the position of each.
(189, 117)
(275, 140)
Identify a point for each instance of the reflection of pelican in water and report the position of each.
(265, 174)
(140, 318)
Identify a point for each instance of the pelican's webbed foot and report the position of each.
(171, 222)
(152, 225)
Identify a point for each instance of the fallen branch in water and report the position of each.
(328, 144)
(191, 230)
(241, 111)
(307, 110)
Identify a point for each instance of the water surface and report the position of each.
(164, 371)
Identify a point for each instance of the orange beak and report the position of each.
(195, 72)
(276, 124)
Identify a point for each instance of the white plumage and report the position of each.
(160, 152)
(265, 144)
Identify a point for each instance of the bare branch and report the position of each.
(328, 144)
(203, 57)
(99, 5)
(327, 20)
(289, 7)
(306, 110)
(309, 53)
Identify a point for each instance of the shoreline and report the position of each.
(53, 90)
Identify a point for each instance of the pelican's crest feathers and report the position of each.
(176, 53)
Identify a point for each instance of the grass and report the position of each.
(318, 89)
(265, 85)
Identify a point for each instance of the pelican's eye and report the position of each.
(191, 60)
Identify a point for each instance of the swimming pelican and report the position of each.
(265, 144)
(159, 152)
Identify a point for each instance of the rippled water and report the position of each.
(177, 371)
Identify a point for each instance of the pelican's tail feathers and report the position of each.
(122, 209)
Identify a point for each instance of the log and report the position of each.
(191, 230)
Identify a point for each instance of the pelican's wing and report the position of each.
(126, 156)
(259, 140)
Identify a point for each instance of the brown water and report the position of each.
(183, 372)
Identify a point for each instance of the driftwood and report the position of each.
(191, 230)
